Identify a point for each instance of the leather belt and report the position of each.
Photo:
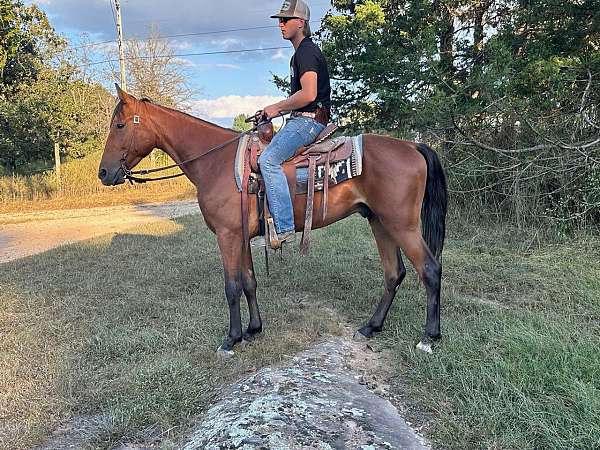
(310, 115)
(321, 115)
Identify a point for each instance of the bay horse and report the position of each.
(401, 191)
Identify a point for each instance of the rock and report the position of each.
(314, 403)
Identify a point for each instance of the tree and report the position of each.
(27, 42)
(153, 71)
(239, 123)
(52, 109)
(43, 98)
(507, 89)
(26, 39)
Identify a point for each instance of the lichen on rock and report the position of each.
(316, 402)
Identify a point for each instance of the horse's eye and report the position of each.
(120, 125)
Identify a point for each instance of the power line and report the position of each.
(204, 33)
(92, 44)
(187, 54)
(252, 12)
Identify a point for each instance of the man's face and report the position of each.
(290, 27)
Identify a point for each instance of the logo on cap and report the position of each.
(286, 5)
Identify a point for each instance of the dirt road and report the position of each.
(25, 234)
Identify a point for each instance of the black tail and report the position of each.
(435, 203)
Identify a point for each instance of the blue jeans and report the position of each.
(298, 131)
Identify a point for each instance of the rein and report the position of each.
(130, 174)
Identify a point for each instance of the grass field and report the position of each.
(119, 333)
(80, 188)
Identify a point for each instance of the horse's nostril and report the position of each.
(102, 173)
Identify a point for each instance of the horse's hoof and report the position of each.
(250, 337)
(245, 342)
(224, 354)
(359, 337)
(424, 347)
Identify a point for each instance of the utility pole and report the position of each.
(121, 48)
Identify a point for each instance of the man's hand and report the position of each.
(272, 111)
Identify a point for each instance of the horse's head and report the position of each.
(130, 139)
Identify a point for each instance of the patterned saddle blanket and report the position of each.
(340, 170)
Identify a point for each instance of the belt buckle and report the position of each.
(310, 115)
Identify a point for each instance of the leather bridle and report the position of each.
(130, 175)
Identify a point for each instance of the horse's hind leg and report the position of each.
(430, 271)
(394, 273)
(249, 285)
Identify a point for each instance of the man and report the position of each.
(309, 103)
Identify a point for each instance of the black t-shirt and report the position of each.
(309, 58)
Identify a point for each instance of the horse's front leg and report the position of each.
(249, 285)
(231, 254)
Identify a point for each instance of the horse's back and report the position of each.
(393, 155)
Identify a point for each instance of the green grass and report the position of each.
(519, 366)
(121, 331)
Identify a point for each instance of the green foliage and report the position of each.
(26, 39)
(239, 123)
(51, 109)
(42, 98)
(507, 90)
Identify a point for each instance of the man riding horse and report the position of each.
(309, 102)
(400, 188)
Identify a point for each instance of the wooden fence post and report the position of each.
(57, 165)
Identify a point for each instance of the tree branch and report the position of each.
(553, 144)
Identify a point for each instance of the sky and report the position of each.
(225, 85)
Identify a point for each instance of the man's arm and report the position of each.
(306, 95)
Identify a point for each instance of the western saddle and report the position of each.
(324, 150)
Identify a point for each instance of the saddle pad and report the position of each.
(238, 169)
(339, 171)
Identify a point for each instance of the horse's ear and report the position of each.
(123, 96)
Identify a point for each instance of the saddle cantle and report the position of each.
(326, 162)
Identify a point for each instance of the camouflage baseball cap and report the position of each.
(293, 8)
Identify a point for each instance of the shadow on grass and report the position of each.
(122, 329)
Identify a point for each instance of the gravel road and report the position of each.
(25, 234)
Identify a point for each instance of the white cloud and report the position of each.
(279, 54)
(231, 105)
(106, 47)
(227, 66)
(181, 45)
(227, 43)
(184, 62)
(215, 66)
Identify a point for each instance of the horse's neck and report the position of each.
(184, 137)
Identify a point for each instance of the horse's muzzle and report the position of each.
(111, 177)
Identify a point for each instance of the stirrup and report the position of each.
(274, 241)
